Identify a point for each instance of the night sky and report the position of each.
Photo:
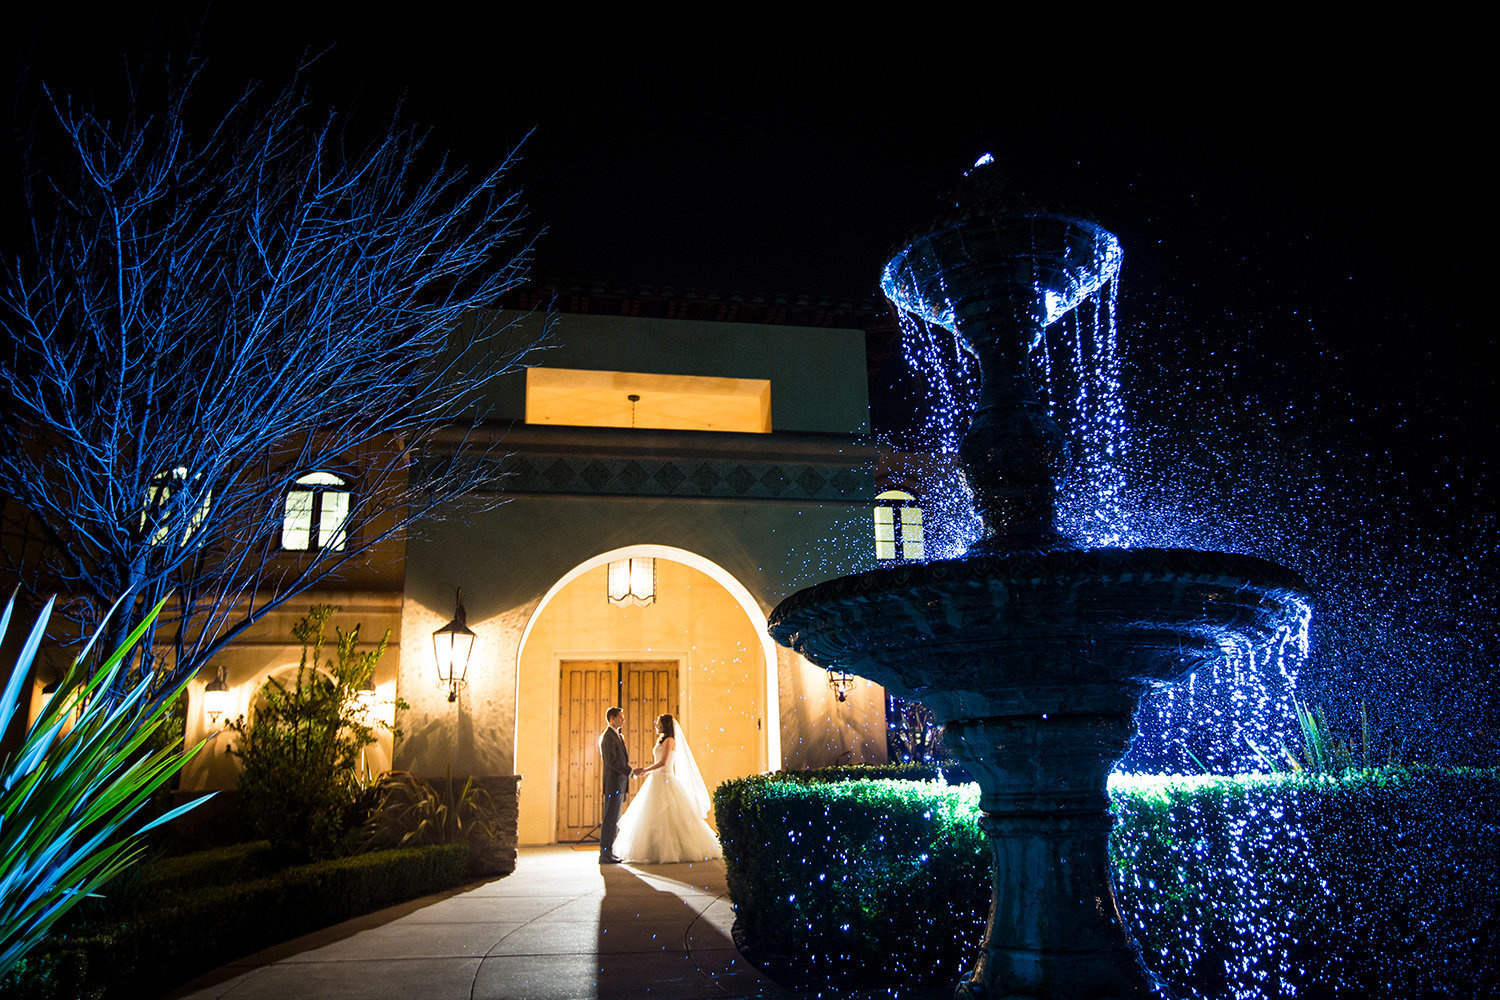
(1304, 218)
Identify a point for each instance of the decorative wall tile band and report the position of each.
(691, 478)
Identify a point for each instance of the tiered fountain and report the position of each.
(1031, 651)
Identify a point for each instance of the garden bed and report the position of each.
(194, 913)
(1375, 883)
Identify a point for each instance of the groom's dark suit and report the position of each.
(616, 780)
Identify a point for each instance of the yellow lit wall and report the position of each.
(248, 666)
(721, 678)
(583, 398)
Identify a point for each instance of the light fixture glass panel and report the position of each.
(216, 704)
(451, 652)
(643, 579)
(619, 581)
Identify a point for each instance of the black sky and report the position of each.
(778, 157)
(1316, 198)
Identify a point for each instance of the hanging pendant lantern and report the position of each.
(366, 694)
(632, 581)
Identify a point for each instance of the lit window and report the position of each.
(643, 400)
(157, 514)
(898, 527)
(316, 509)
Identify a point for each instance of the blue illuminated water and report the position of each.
(1224, 719)
(1240, 450)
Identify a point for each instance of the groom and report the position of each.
(617, 775)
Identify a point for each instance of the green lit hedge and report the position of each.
(194, 925)
(1376, 884)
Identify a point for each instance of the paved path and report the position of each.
(559, 928)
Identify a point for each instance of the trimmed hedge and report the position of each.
(882, 876)
(1373, 884)
(215, 866)
(183, 934)
(949, 771)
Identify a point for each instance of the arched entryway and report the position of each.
(699, 651)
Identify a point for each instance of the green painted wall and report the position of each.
(818, 378)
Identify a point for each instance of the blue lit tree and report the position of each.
(197, 316)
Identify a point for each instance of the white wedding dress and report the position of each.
(665, 821)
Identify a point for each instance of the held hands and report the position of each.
(636, 772)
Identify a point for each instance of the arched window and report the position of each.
(156, 513)
(316, 508)
(898, 527)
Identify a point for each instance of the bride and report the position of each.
(665, 821)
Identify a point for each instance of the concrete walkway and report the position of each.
(559, 928)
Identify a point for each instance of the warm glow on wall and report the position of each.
(581, 398)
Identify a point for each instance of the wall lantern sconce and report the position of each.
(49, 691)
(366, 695)
(216, 698)
(842, 683)
(451, 646)
(632, 581)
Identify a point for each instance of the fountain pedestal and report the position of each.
(1032, 652)
(1054, 929)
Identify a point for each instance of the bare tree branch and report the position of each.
(202, 317)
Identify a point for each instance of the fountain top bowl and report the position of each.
(1044, 264)
(995, 246)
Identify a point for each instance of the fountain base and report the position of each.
(1035, 663)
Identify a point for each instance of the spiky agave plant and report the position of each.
(1322, 752)
(69, 793)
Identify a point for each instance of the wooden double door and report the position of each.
(645, 689)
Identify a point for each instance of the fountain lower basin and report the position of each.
(990, 633)
(1035, 664)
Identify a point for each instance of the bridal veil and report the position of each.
(685, 770)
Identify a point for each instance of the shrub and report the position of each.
(890, 878)
(410, 812)
(949, 771)
(301, 750)
(1370, 884)
(188, 873)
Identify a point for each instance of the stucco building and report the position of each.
(673, 467)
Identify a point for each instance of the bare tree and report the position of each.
(200, 318)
